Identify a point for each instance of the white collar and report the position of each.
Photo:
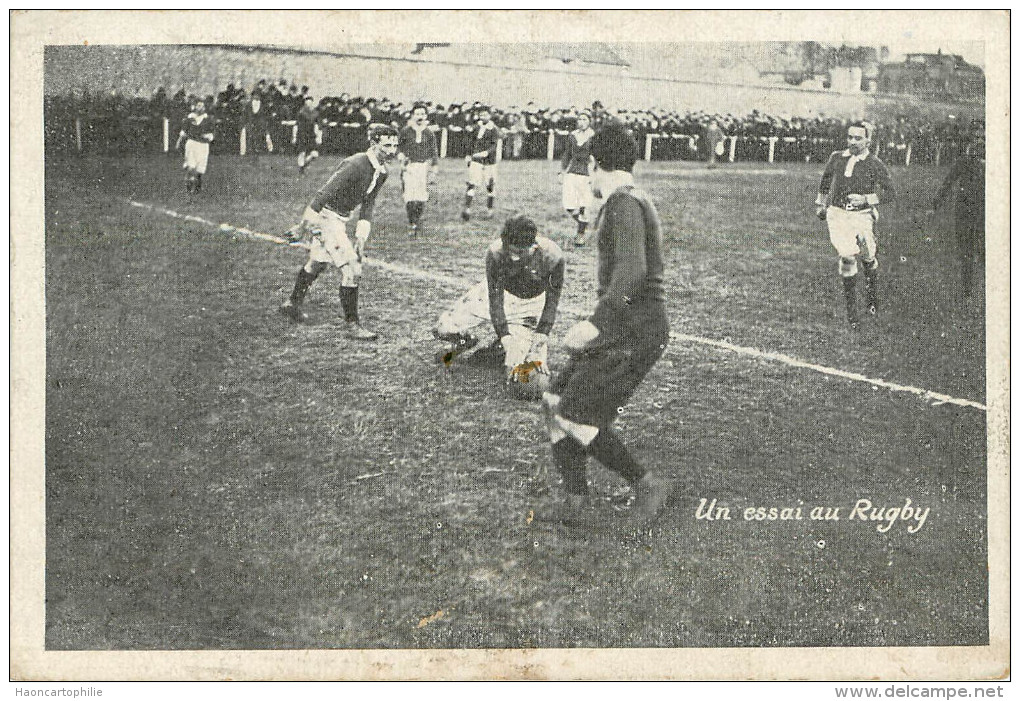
(864, 154)
(198, 118)
(583, 135)
(379, 167)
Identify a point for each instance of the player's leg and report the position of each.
(474, 177)
(869, 264)
(301, 162)
(843, 236)
(490, 188)
(305, 277)
(456, 326)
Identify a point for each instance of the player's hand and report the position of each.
(467, 160)
(580, 336)
(539, 349)
(820, 212)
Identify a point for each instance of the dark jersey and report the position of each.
(543, 272)
(355, 182)
(198, 127)
(869, 178)
(577, 153)
(419, 146)
(630, 259)
(483, 150)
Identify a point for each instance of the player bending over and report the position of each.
(613, 350)
(519, 297)
(355, 183)
(197, 133)
(853, 184)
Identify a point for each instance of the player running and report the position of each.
(613, 350)
(852, 186)
(355, 183)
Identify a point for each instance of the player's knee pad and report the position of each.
(470, 189)
(848, 266)
(491, 186)
(870, 266)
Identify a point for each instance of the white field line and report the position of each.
(936, 398)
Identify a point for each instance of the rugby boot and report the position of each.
(293, 312)
(650, 495)
(357, 332)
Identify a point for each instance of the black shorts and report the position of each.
(595, 384)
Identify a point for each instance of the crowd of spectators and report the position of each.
(116, 123)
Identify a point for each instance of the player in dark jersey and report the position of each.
(482, 162)
(575, 176)
(854, 183)
(197, 132)
(307, 146)
(419, 158)
(519, 298)
(613, 350)
(356, 183)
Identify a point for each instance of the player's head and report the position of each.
(858, 136)
(199, 107)
(518, 236)
(484, 114)
(583, 121)
(384, 142)
(613, 147)
(419, 112)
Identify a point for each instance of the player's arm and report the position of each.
(825, 186)
(567, 155)
(885, 191)
(433, 149)
(495, 284)
(553, 290)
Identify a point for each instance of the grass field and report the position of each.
(219, 479)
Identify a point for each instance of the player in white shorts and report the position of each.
(574, 173)
(197, 132)
(519, 297)
(419, 158)
(852, 186)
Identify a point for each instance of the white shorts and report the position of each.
(852, 233)
(472, 310)
(196, 155)
(576, 191)
(333, 245)
(480, 174)
(416, 182)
